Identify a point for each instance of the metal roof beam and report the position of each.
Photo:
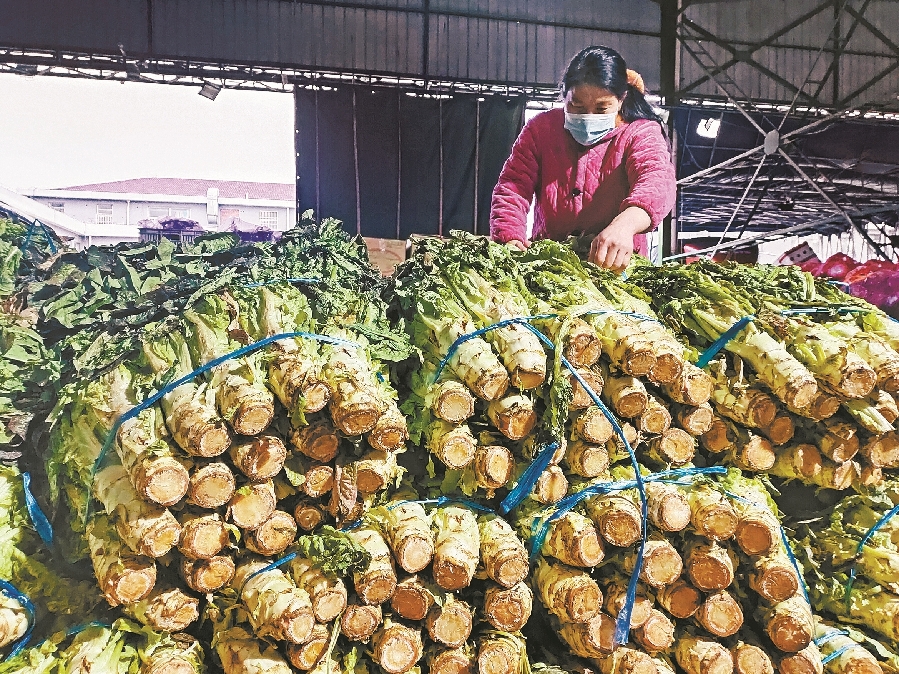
(755, 46)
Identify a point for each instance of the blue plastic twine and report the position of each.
(861, 546)
(833, 634)
(12, 592)
(541, 523)
(529, 478)
(271, 567)
(706, 357)
(715, 348)
(44, 231)
(215, 362)
(38, 518)
(837, 653)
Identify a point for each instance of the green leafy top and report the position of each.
(26, 562)
(333, 551)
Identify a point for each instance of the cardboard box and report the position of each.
(386, 254)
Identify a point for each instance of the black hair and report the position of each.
(604, 67)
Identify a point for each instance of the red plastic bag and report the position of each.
(813, 267)
(880, 288)
(865, 269)
(838, 265)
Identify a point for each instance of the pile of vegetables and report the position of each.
(271, 459)
(27, 369)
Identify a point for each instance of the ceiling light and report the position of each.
(708, 128)
(209, 90)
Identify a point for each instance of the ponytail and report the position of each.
(635, 106)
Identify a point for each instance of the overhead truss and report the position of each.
(774, 189)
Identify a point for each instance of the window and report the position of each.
(104, 214)
(268, 219)
(58, 206)
(180, 212)
(158, 212)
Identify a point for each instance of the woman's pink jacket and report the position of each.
(580, 190)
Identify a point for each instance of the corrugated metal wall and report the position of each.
(866, 71)
(521, 41)
(774, 44)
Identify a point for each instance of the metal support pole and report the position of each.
(669, 71)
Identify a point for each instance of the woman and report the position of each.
(600, 166)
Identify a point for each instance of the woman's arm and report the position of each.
(651, 174)
(653, 188)
(514, 191)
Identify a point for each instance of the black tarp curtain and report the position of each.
(390, 164)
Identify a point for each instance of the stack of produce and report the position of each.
(58, 599)
(717, 588)
(442, 470)
(234, 462)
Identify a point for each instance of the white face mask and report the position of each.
(589, 129)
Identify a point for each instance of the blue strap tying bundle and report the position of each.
(215, 362)
(37, 224)
(522, 320)
(833, 634)
(861, 546)
(525, 320)
(837, 653)
(271, 567)
(12, 592)
(714, 349)
(38, 518)
(529, 478)
(541, 524)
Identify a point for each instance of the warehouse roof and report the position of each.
(191, 187)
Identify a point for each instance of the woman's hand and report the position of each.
(612, 248)
(519, 245)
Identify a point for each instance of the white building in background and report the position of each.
(212, 203)
(75, 233)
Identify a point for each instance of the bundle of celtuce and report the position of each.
(243, 446)
(806, 388)
(121, 648)
(717, 588)
(851, 560)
